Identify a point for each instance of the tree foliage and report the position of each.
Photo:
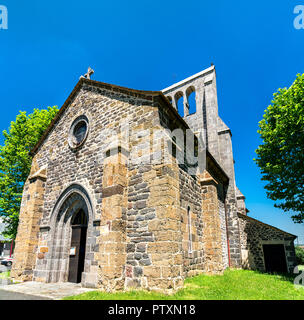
(15, 161)
(300, 255)
(281, 156)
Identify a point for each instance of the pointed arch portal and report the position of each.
(71, 227)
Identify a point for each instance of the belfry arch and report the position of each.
(179, 102)
(191, 100)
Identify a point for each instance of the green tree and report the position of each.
(15, 162)
(281, 156)
(300, 255)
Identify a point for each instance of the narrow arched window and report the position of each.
(189, 230)
(179, 99)
(191, 98)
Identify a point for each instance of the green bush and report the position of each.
(300, 255)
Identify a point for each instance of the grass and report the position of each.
(233, 285)
(5, 275)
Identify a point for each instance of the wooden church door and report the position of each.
(78, 245)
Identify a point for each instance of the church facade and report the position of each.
(125, 192)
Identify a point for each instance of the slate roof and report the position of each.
(265, 224)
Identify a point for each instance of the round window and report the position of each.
(78, 132)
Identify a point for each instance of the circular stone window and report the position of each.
(78, 132)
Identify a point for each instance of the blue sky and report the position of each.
(151, 45)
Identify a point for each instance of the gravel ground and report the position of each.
(9, 295)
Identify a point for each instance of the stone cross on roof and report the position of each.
(88, 74)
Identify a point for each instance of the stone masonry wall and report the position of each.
(217, 137)
(28, 229)
(134, 230)
(111, 256)
(254, 234)
(191, 209)
(223, 233)
(150, 222)
(104, 109)
(212, 235)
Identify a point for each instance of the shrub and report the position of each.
(300, 255)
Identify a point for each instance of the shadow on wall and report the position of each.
(252, 254)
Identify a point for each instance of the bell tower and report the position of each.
(204, 119)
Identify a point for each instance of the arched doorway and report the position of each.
(79, 225)
(70, 257)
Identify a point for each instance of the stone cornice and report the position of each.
(37, 176)
(215, 170)
(208, 181)
(195, 76)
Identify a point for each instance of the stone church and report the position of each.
(111, 202)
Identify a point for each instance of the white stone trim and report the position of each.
(197, 75)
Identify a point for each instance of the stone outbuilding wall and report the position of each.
(255, 234)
